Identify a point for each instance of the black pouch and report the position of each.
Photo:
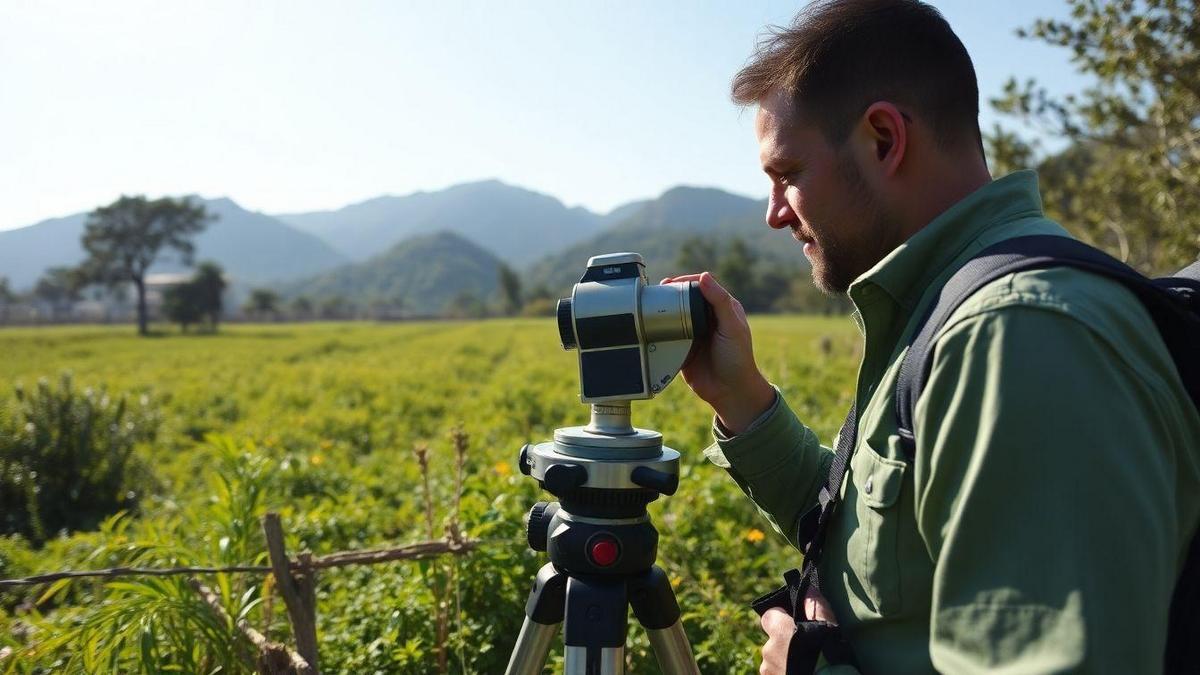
(812, 638)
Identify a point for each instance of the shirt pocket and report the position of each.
(872, 549)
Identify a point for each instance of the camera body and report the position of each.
(632, 337)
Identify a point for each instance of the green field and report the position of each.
(319, 422)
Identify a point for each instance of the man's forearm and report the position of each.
(778, 463)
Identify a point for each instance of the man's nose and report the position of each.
(779, 214)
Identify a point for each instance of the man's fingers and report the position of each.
(720, 299)
(682, 277)
(777, 623)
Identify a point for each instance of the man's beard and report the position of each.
(844, 256)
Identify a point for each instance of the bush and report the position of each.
(66, 458)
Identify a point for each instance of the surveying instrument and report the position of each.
(632, 339)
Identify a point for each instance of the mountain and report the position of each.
(517, 225)
(26, 252)
(252, 247)
(423, 275)
(657, 229)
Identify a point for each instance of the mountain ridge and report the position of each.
(254, 248)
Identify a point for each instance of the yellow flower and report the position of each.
(675, 581)
(502, 468)
(315, 460)
(754, 535)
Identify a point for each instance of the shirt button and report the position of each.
(870, 485)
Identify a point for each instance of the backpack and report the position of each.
(1173, 303)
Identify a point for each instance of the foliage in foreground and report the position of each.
(66, 457)
(320, 424)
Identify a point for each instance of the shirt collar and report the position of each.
(905, 272)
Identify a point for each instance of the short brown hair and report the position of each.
(839, 56)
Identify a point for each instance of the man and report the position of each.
(1041, 524)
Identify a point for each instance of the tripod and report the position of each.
(602, 548)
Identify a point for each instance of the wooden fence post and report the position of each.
(299, 595)
(272, 658)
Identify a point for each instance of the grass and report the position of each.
(320, 422)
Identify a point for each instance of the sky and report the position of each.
(291, 106)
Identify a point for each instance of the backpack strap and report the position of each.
(1168, 300)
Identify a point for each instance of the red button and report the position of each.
(604, 552)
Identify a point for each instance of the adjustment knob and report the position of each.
(538, 528)
(561, 478)
(566, 324)
(524, 463)
(659, 481)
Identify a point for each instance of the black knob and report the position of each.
(664, 483)
(562, 478)
(524, 463)
(538, 528)
(566, 324)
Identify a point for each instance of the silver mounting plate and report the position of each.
(579, 442)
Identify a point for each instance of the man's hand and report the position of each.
(779, 628)
(721, 370)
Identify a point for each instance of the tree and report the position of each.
(510, 290)
(466, 305)
(262, 302)
(209, 289)
(697, 254)
(1130, 181)
(197, 299)
(301, 307)
(181, 304)
(336, 307)
(59, 287)
(735, 271)
(7, 298)
(122, 240)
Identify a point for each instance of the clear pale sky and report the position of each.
(297, 106)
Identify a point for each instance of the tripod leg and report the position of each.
(543, 614)
(657, 610)
(597, 619)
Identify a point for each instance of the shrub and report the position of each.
(66, 458)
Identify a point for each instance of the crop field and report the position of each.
(322, 423)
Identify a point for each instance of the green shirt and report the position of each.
(1042, 523)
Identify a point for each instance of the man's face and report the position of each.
(818, 191)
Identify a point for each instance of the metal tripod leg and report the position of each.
(596, 623)
(543, 614)
(656, 609)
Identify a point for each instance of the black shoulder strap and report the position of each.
(1167, 301)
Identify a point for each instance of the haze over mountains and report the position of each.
(515, 224)
(252, 247)
(422, 250)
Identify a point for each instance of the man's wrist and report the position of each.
(739, 412)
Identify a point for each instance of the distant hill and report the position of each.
(422, 275)
(26, 252)
(252, 247)
(517, 225)
(657, 229)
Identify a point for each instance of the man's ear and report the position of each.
(883, 133)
